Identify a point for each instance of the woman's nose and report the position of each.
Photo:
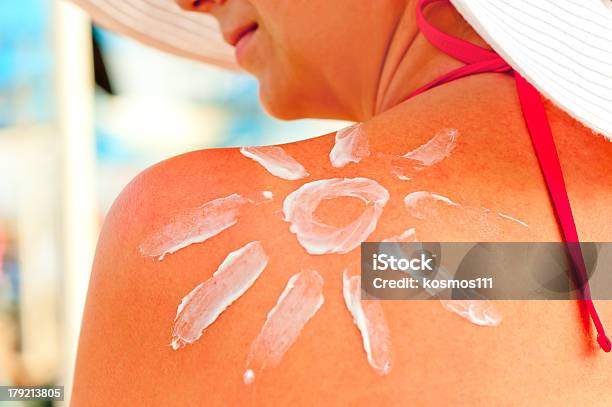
(204, 6)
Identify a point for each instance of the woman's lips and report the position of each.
(242, 41)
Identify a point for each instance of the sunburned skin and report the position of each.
(194, 225)
(276, 161)
(370, 320)
(203, 305)
(351, 146)
(206, 302)
(427, 206)
(328, 361)
(319, 238)
(297, 304)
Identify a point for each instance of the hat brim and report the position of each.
(562, 47)
(164, 25)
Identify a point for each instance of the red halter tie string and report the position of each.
(481, 60)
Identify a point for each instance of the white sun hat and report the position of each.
(562, 47)
(163, 24)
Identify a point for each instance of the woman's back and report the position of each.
(540, 354)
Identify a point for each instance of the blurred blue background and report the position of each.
(25, 62)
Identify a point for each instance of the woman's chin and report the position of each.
(294, 106)
(281, 107)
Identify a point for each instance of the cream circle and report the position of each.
(319, 238)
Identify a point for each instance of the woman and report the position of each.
(192, 230)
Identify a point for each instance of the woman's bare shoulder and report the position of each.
(142, 272)
(479, 153)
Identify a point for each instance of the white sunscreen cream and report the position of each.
(351, 146)
(298, 303)
(201, 307)
(435, 150)
(409, 235)
(369, 318)
(416, 202)
(194, 225)
(478, 312)
(319, 238)
(276, 161)
(422, 205)
(513, 219)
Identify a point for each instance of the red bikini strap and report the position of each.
(480, 60)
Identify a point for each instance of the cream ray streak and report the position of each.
(351, 146)
(370, 320)
(400, 175)
(409, 235)
(520, 222)
(478, 312)
(320, 238)
(414, 202)
(276, 161)
(426, 205)
(194, 225)
(436, 149)
(201, 307)
(299, 302)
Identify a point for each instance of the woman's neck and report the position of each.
(411, 61)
